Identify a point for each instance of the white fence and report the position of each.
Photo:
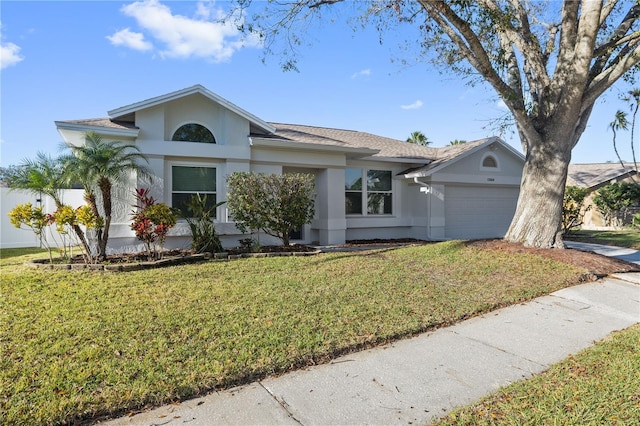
(10, 236)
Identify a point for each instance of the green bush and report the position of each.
(573, 208)
(275, 204)
(614, 198)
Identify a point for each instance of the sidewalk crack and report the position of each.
(285, 406)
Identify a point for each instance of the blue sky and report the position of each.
(79, 59)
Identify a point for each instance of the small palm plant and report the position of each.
(45, 176)
(99, 165)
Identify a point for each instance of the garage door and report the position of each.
(478, 212)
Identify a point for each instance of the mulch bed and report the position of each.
(596, 264)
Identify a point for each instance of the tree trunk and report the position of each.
(105, 190)
(538, 218)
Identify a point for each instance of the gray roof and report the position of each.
(103, 122)
(351, 139)
(387, 147)
(597, 174)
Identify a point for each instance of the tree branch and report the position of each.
(323, 2)
(604, 80)
(607, 9)
(461, 34)
(620, 33)
(568, 35)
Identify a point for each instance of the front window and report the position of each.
(188, 181)
(377, 193)
(353, 191)
(193, 132)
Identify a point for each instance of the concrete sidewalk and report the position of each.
(622, 253)
(420, 379)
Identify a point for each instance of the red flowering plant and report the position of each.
(151, 222)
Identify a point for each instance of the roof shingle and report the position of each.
(595, 174)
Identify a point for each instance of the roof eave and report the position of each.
(198, 88)
(489, 141)
(110, 131)
(403, 160)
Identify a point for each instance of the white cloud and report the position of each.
(130, 39)
(205, 35)
(9, 53)
(417, 104)
(363, 73)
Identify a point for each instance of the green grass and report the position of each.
(8, 255)
(598, 386)
(629, 237)
(77, 345)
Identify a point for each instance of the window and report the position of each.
(353, 191)
(193, 132)
(377, 192)
(187, 181)
(489, 162)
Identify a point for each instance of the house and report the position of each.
(193, 139)
(594, 176)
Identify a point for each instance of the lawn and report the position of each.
(598, 386)
(629, 237)
(78, 345)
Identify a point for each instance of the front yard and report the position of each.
(628, 237)
(80, 345)
(598, 386)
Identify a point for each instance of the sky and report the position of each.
(79, 59)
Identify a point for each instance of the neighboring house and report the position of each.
(367, 186)
(593, 177)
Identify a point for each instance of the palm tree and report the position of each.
(457, 142)
(418, 138)
(98, 165)
(44, 175)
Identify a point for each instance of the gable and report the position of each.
(128, 112)
(474, 162)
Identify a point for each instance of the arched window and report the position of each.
(193, 132)
(490, 162)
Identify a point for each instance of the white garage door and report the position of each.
(478, 212)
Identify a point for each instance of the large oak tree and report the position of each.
(548, 61)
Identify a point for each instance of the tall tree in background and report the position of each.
(621, 122)
(418, 138)
(548, 61)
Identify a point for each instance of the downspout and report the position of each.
(426, 188)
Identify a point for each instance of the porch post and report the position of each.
(331, 222)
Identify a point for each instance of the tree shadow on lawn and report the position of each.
(8, 253)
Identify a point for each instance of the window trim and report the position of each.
(215, 140)
(489, 168)
(365, 192)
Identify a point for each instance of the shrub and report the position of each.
(152, 222)
(573, 208)
(275, 204)
(614, 198)
(35, 219)
(204, 238)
